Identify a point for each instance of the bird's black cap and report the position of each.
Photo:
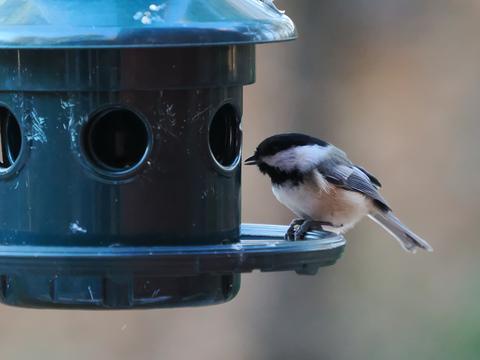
(280, 142)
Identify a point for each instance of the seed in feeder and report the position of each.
(75, 228)
(154, 7)
(138, 15)
(146, 20)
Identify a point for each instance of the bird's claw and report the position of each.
(309, 225)
(290, 234)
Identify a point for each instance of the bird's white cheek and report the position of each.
(284, 160)
(309, 156)
(301, 158)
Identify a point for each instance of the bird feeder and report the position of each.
(120, 139)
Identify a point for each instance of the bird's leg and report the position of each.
(310, 225)
(290, 234)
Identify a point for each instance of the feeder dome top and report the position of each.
(140, 23)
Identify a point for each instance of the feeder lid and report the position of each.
(140, 23)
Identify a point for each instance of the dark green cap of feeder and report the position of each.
(140, 23)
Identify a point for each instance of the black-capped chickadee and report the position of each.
(317, 181)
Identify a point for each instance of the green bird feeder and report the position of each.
(120, 154)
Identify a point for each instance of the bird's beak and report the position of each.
(252, 160)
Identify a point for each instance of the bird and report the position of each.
(324, 189)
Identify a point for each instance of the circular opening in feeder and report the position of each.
(10, 138)
(116, 139)
(225, 136)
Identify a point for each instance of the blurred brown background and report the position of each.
(396, 84)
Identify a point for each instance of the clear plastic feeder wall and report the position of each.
(120, 153)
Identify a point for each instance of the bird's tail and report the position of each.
(404, 235)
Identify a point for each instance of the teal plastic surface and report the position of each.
(139, 23)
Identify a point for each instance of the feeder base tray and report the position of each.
(155, 277)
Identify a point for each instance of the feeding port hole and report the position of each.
(116, 139)
(10, 138)
(225, 136)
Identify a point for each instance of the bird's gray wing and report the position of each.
(344, 174)
(372, 178)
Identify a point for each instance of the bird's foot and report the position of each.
(309, 225)
(290, 234)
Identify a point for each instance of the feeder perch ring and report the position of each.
(135, 277)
